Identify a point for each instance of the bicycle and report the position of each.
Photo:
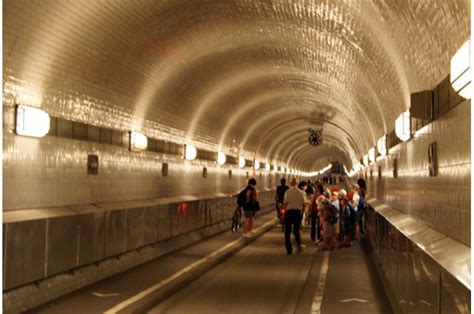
(236, 219)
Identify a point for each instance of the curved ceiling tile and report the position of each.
(277, 132)
(299, 133)
(205, 68)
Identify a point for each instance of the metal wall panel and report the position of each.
(62, 244)
(164, 222)
(24, 240)
(427, 283)
(115, 232)
(150, 234)
(91, 222)
(455, 298)
(413, 257)
(135, 228)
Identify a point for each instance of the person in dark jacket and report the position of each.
(250, 206)
(280, 194)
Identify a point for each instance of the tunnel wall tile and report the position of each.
(442, 202)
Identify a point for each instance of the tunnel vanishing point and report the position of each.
(120, 117)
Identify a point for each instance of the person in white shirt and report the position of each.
(355, 204)
(293, 202)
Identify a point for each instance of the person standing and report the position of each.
(316, 207)
(361, 205)
(355, 205)
(280, 194)
(294, 202)
(250, 206)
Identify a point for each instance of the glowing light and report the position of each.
(267, 166)
(190, 152)
(460, 76)
(221, 158)
(31, 121)
(365, 159)
(402, 126)
(372, 154)
(138, 141)
(256, 164)
(241, 162)
(382, 145)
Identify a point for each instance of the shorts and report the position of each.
(249, 213)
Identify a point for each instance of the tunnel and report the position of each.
(129, 128)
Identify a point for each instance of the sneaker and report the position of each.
(302, 245)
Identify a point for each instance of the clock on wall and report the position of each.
(315, 137)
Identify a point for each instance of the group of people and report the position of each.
(335, 217)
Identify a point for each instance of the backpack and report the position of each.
(333, 218)
(352, 219)
(361, 204)
(242, 197)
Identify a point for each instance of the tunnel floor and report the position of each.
(260, 278)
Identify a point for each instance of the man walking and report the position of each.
(294, 202)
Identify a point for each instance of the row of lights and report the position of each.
(460, 78)
(35, 122)
(317, 173)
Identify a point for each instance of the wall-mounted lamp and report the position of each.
(366, 159)
(460, 75)
(31, 121)
(372, 154)
(138, 141)
(241, 162)
(256, 164)
(190, 152)
(267, 166)
(402, 126)
(221, 158)
(382, 145)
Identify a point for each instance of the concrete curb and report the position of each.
(149, 297)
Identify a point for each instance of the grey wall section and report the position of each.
(442, 202)
(64, 238)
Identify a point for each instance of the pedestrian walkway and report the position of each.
(260, 276)
(105, 294)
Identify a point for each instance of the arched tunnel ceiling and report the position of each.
(232, 71)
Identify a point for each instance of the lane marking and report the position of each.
(318, 295)
(183, 271)
(353, 300)
(105, 295)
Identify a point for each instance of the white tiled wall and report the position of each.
(443, 202)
